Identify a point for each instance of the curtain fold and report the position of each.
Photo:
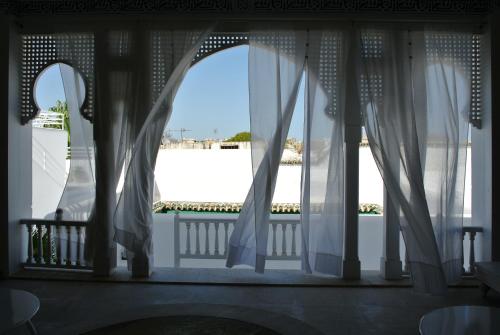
(77, 199)
(322, 190)
(415, 89)
(133, 218)
(275, 64)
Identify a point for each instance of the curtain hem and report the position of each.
(428, 278)
(453, 270)
(241, 255)
(324, 264)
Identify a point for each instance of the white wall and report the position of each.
(18, 156)
(226, 175)
(48, 170)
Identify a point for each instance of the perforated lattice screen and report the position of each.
(461, 51)
(476, 107)
(371, 88)
(40, 51)
(330, 54)
(220, 41)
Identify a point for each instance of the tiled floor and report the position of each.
(69, 307)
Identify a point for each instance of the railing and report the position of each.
(197, 237)
(46, 119)
(55, 244)
(471, 231)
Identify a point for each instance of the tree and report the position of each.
(244, 136)
(62, 107)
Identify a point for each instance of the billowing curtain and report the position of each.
(415, 87)
(174, 51)
(77, 200)
(78, 197)
(275, 65)
(322, 191)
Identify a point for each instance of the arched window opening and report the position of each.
(51, 139)
(204, 165)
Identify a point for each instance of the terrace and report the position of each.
(121, 224)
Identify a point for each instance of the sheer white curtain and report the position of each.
(133, 216)
(78, 197)
(416, 89)
(275, 65)
(77, 200)
(322, 201)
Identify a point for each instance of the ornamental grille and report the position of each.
(219, 41)
(330, 55)
(372, 87)
(476, 106)
(40, 51)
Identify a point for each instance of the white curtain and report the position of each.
(322, 191)
(275, 65)
(416, 98)
(133, 218)
(78, 197)
(77, 200)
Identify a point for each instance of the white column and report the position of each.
(16, 153)
(390, 263)
(351, 266)
(105, 254)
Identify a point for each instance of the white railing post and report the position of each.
(177, 237)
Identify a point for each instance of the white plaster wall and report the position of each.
(199, 175)
(48, 170)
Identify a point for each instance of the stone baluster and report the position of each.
(283, 241)
(207, 241)
(216, 247)
(39, 258)
(177, 241)
(78, 244)
(30, 259)
(68, 246)
(197, 227)
(49, 244)
(462, 256)
(274, 239)
(188, 238)
(294, 246)
(472, 255)
(58, 245)
(58, 218)
(226, 239)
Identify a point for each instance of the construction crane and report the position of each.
(181, 131)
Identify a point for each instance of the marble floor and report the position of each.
(73, 307)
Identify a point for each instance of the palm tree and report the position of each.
(62, 107)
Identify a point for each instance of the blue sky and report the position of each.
(212, 101)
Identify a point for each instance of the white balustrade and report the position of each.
(207, 237)
(59, 244)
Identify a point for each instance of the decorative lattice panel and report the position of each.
(372, 87)
(220, 41)
(40, 51)
(462, 52)
(476, 106)
(330, 54)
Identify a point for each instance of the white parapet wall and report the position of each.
(48, 169)
(198, 175)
